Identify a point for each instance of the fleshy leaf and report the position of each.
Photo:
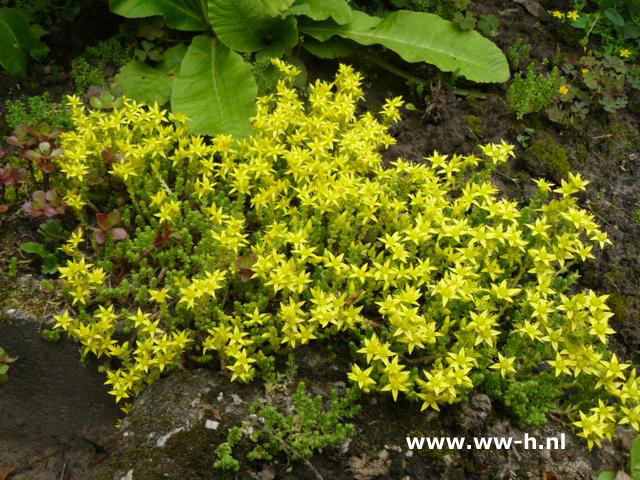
(215, 89)
(118, 234)
(34, 248)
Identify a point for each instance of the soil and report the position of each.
(605, 150)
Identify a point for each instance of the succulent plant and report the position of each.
(44, 204)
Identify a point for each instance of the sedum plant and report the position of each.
(310, 427)
(250, 248)
(212, 83)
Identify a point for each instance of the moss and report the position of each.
(618, 304)
(581, 155)
(545, 157)
(476, 125)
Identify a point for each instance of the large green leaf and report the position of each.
(333, 48)
(422, 37)
(339, 10)
(187, 15)
(248, 25)
(148, 84)
(15, 41)
(215, 89)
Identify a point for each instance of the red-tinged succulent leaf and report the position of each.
(27, 207)
(118, 234)
(4, 207)
(162, 237)
(102, 220)
(44, 147)
(49, 211)
(14, 141)
(3, 152)
(52, 196)
(46, 167)
(101, 237)
(113, 219)
(39, 197)
(32, 155)
(246, 261)
(244, 265)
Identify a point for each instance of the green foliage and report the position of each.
(48, 13)
(423, 37)
(309, 428)
(53, 234)
(518, 54)
(86, 75)
(634, 465)
(36, 110)
(113, 51)
(12, 269)
(266, 30)
(616, 23)
(5, 361)
(594, 83)
(534, 92)
(214, 78)
(20, 41)
(527, 400)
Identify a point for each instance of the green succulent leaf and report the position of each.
(247, 25)
(215, 89)
(148, 84)
(186, 15)
(34, 248)
(338, 10)
(50, 264)
(15, 41)
(422, 37)
(606, 476)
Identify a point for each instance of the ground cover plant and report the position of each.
(245, 251)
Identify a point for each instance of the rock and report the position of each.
(481, 402)
(167, 433)
(50, 393)
(472, 416)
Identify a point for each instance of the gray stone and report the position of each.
(50, 393)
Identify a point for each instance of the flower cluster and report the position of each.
(298, 233)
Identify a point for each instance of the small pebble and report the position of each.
(211, 425)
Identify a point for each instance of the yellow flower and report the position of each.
(573, 15)
(584, 71)
(361, 377)
(625, 53)
(563, 89)
(504, 364)
(558, 14)
(159, 296)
